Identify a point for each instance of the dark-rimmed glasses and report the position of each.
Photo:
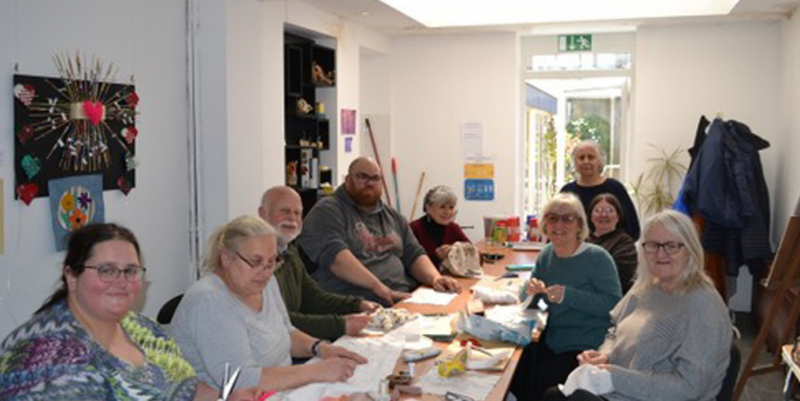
(273, 264)
(670, 247)
(554, 218)
(365, 178)
(109, 272)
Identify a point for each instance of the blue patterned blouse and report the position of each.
(52, 357)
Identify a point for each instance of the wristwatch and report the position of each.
(315, 346)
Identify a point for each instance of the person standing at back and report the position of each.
(590, 162)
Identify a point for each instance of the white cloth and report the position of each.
(590, 378)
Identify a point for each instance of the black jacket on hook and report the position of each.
(725, 185)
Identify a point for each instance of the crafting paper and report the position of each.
(430, 297)
(382, 354)
(75, 202)
(348, 122)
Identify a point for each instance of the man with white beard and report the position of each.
(319, 313)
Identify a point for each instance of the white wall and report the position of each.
(439, 82)
(683, 72)
(132, 36)
(787, 188)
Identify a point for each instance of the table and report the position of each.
(786, 354)
(497, 268)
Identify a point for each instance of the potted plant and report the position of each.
(654, 188)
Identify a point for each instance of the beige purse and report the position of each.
(463, 260)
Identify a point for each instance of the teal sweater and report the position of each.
(592, 288)
(312, 310)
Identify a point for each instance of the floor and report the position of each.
(765, 387)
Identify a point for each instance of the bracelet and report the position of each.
(315, 346)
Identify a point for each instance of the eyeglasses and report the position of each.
(364, 178)
(109, 272)
(553, 218)
(670, 247)
(604, 210)
(270, 264)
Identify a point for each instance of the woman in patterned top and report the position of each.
(85, 343)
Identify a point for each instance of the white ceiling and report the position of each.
(380, 17)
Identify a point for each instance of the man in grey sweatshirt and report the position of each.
(363, 247)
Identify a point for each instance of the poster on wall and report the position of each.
(479, 170)
(74, 203)
(77, 124)
(348, 122)
(478, 190)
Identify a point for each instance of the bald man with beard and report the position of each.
(317, 312)
(363, 247)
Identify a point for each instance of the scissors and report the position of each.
(229, 382)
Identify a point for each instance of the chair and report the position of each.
(728, 383)
(168, 310)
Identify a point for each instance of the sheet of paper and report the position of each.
(382, 353)
(430, 297)
(472, 140)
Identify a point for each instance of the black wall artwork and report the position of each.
(67, 127)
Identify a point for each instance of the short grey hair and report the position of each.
(439, 195)
(590, 143)
(571, 202)
(230, 237)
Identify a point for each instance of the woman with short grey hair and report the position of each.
(437, 230)
(589, 162)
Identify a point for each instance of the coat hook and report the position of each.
(16, 67)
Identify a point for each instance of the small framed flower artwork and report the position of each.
(75, 202)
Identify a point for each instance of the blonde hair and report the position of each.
(230, 237)
(571, 202)
(681, 226)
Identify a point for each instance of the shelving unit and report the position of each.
(309, 79)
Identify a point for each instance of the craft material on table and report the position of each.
(382, 354)
(430, 297)
(527, 246)
(521, 267)
(473, 384)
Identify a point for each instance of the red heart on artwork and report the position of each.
(25, 93)
(93, 111)
(123, 185)
(27, 192)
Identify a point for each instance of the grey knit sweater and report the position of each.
(668, 346)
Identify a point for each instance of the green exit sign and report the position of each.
(575, 43)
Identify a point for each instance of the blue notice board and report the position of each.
(479, 190)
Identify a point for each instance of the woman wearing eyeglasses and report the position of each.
(589, 163)
(579, 282)
(235, 314)
(85, 343)
(608, 220)
(672, 335)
